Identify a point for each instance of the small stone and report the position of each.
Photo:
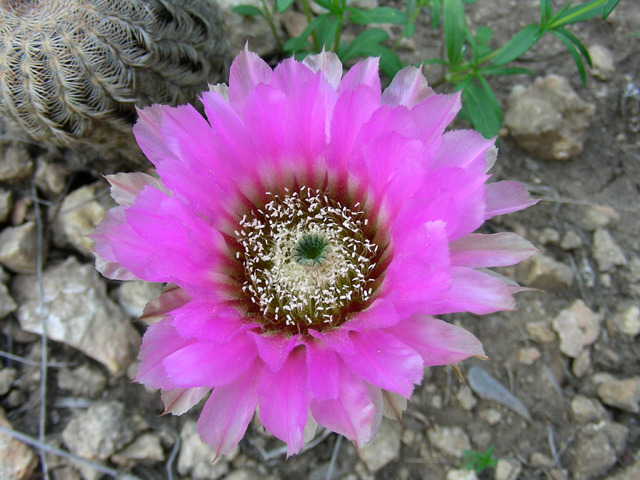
(491, 416)
(617, 434)
(436, 402)
(21, 208)
(571, 241)
(6, 203)
(134, 296)
(244, 474)
(294, 22)
(254, 30)
(540, 331)
(461, 474)
(66, 472)
(549, 236)
(634, 269)
(196, 457)
(559, 474)
(51, 177)
(526, 356)
(99, 432)
(586, 409)
(626, 321)
(7, 303)
(593, 455)
(384, 448)
(598, 216)
(606, 252)
(623, 394)
(18, 247)
(17, 460)
(602, 63)
(450, 440)
(541, 271)
(577, 327)
(605, 280)
(146, 448)
(540, 460)
(16, 163)
(630, 473)
(4, 275)
(508, 469)
(363, 4)
(581, 363)
(7, 376)
(466, 399)
(83, 381)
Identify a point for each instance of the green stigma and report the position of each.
(311, 250)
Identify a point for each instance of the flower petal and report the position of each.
(125, 187)
(497, 250)
(247, 71)
(180, 400)
(328, 63)
(171, 298)
(464, 149)
(362, 73)
(323, 371)
(409, 87)
(393, 405)
(274, 349)
(506, 197)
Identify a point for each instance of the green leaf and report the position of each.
(248, 11)
(523, 41)
(482, 108)
(608, 8)
(483, 35)
(390, 64)
(327, 31)
(409, 30)
(455, 27)
(361, 44)
(546, 11)
(434, 60)
(377, 15)
(506, 71)
(283, 5)
(436, 13)
(298, 43)
(574, 53)
(577, 43)
(410, 7)
(329, 6)
(579, 13)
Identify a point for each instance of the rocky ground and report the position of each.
(558, 399)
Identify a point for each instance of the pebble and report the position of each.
(7, 303)
(594, 217)
(606, 252)
(147, 448)
(623, 394)
(243, 474)
(540, 331)
(526, 356)
(548, 119)
(559, 474)
(133, 296)
(196, 457)
(6, 203)
(577, 327)
(491, 416)
(7, 377)
(294, 22)
(540, 460)
(4, 275)
(544, 272)
(581, 363)
(586, 409)
(488, 388)
(571, 241)
(549, 236)
(17, 460)
(593, 454)
(633, 275)
(242, 29)
(450, 440)
(384, 448)
(16, 163)
(603, 66)
(100, 431)
(78, 313)
(18, 248)
(83, 381)
(460, 474)
(507, 469)
(466, 399)
(626, 321)
(630, 473)
(51, 177)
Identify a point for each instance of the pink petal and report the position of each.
(506, 197)
(171, 298)
(375, 393)
(380, 314)
(337, 339)
(202, 365)
(409, 87)
(180, 400)
(362, 73)
(393, 405)
(437, 342)
(352, 414)
(323, 373)
(464, 149)
(497, 250)
(284, 401)
(227, 413)
(382, 360)
(247, 71)
(328, 63)
(434, 114)
(106, 262)
(290, 75)
(125, 187)
(274, 349)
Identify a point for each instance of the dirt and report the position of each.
(607, 172)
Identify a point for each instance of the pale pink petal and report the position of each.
(289, 76)
(352, 414)
(337, 339)
(328, 63)
(434, 114)
(221, 89)
(274, 349)
(106, 262)
(506, 197)
(409, 87)
(113, 270)
(393, 405)
(181, 400)
(497, 250)
(284, 401)
(227, 413)
(362, 73)
(125, 187)
(323, 373)
(247, 71)
(437, 342)
(375, 393)
(310, 428)
(171, 298)
(464, 149)
(380, 314)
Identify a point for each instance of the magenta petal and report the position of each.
(284, 401)
(409, 87)
(201, 364)
(247, 71)
(506, 197)
(362, 73)
(434, 114)
(380, 314)
(437, 342)
(171, 298)
(274, 349)
(352, 414)
(227, 413)
(328, 63)
(497, 250)
(289, 75)
(382, 360)
(180, 400)
(464, 149)
(323, 373)
(338, 339)
(106, 262)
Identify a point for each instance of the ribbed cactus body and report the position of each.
(72, 71)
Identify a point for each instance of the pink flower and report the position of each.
(309, 232)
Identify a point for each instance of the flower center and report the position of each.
(308, 261)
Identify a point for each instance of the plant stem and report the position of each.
(336, 43)
(564, 20)
(269, 16)
(307, 13)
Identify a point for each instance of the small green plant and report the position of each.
(478, 461)
(469, 60)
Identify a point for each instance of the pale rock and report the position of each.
(605, 280)
(17, 460)
(294, 22)
(100, 431)
(559, 474)
(196, 457)
(18, 248)
(548, 119)
(466, 399)
(603, 66)
(526, 356)
(461, 474)
(606, 252)
(78, 313)
(508, 469)
(51, 177)
(83, 381)
(436, 402)
(540, 460)
(540, 331)
(363, 4)
(244, 474)
(598, 216)
(634, 269)
(571, 241)
(147, 448)
(581, 363)
(4, 275)
(544, 272)
(254, 30)
(617, 434)
(16, 163)
(491, 416)
(549, 236)
(593, 454)
(632, 472)
(6, 203)
(577, 327)
(7, 303)
(626, 321)
(623, 394)
(360, 468)
(384, 448)
(7, 377)
(585, 409)
(450, 440)
(133, 296)
(66, 472)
